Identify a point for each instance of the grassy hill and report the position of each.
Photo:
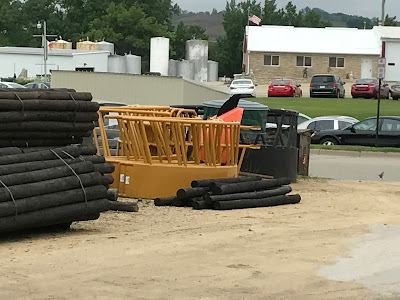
(212, 22)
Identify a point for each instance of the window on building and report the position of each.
(271, 60)
(84, 69)
(336, 62)
(303, 61)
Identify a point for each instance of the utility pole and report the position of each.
(44, 36)
(382, 23)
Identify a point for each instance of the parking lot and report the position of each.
(262, 89)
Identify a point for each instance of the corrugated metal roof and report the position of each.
(330, 40)
(39, 51)
(388, 32)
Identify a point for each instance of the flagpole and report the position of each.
(246, 55)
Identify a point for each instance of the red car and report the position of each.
(284, 88)
(368, 88)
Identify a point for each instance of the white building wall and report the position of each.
(31, 62)
(392, 61)
(98, 61)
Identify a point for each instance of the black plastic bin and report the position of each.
(274, 161)
(278, 153)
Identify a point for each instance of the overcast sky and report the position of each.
(365, 8)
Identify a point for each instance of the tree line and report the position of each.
(130, 24)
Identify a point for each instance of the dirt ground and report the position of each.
(179, 253)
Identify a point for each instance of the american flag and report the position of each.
(254, 19)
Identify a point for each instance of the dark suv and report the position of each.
(327, 85)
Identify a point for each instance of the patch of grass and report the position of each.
(355, 148)
(315, 107)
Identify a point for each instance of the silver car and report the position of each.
(327, 123)
(243, 87)
(11, 85)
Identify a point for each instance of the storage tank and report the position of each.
(197, 52)
(185, 69)
(60, 44)
(116, 64)
(133, 64)
(159, 55)
(212, 71)
(86, 45)
(106, 46)
(172, 67)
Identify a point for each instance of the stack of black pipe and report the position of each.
(233, 193)
(47, 118)
(52, 187)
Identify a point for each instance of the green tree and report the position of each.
(358, 22)
(10, 22)
(390, 21)
(34, 11)
(313, 19)
(290, 15)
(182, 34)
(79, 14)
(231, 46)
(129, 28)
(269, 13)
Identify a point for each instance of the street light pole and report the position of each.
(44, 36)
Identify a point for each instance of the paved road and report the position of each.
(355, 165)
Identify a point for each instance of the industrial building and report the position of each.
(100, 57)
(272, 52)
(89, 56)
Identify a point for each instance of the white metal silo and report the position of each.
(133, 64)
(185, 69)
(116, 64)
(106, 46)
(212, 71)
(197, 52)
(173, 67)
(159, 55)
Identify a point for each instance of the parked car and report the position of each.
(38, 85)
(368, 88)
(284, 88)
(363, 133)
(243, 87)
(327, 123)
(395, 90)
(10, 85)
(302, 118)
(327, 85)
